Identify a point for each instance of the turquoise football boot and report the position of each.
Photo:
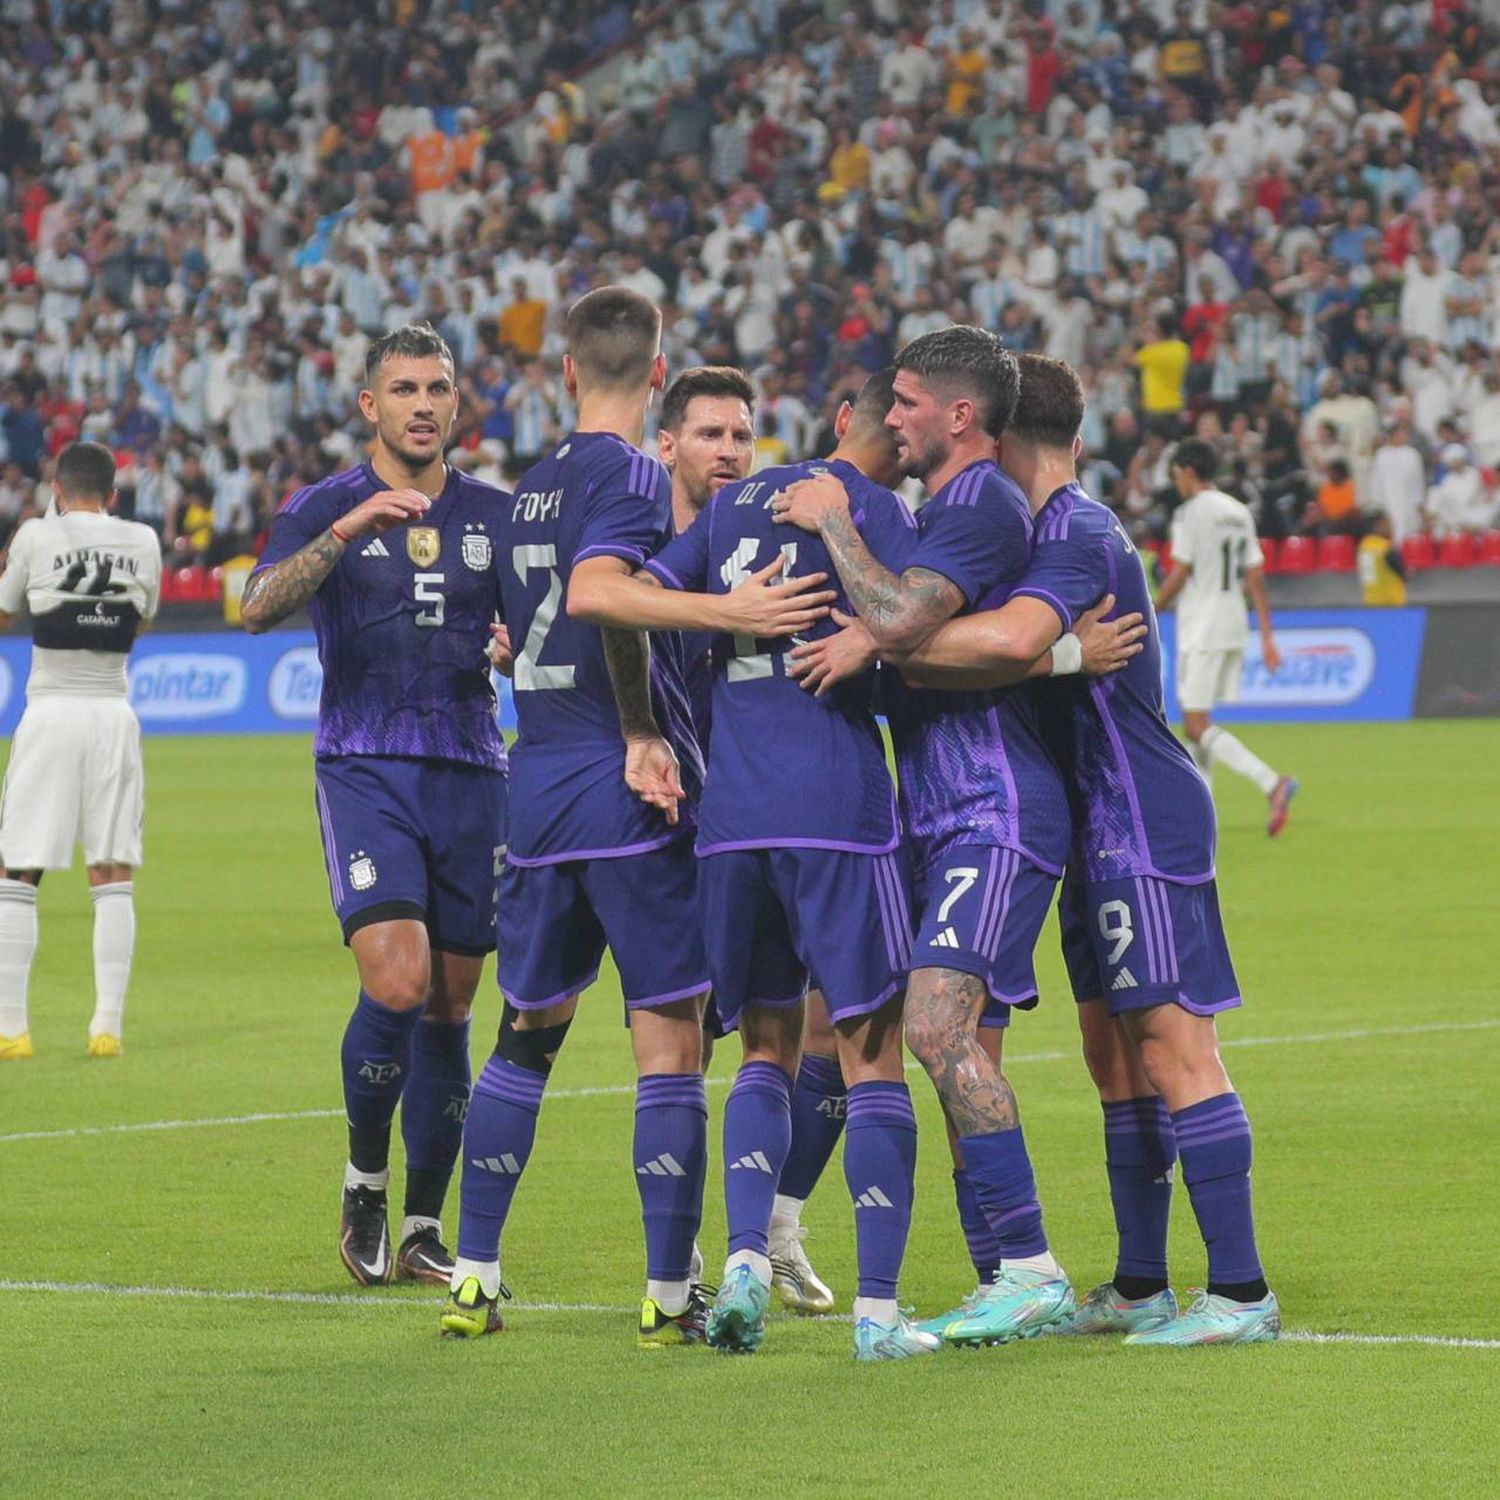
(737, 1320)
(1018, 1305)
(963, 1310)
(1218, 1320)
(899, 1340)
(1104, 1310)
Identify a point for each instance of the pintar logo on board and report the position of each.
(176, 685)
(1325, 668)
(295, 687)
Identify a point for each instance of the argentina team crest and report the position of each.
(475, 550)
(423, 545)
(361, 871)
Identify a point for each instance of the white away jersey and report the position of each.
(90, 581)
(1213, 534)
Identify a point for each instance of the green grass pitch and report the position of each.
(1367, 1053)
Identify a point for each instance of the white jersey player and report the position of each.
(1216, 562)
(89, 581)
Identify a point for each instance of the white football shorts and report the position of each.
(74, 776)
(1206, 678)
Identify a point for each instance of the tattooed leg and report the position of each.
(943, 1008)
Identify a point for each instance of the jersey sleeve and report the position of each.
(1069, 573)
(17, 573)
(975, 545)
(1180, 538)
(306, 515)
(626, 512)
(889, 529)
(150, 577)
(683, 562)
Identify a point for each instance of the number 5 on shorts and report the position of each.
(1115, 928)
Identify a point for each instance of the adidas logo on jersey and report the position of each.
(873, 1198)
(665, 1165)
(506, 1166)
(947, 938)
(1124, 980)
(755, 1162)
(377, 548)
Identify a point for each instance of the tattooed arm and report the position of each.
(651, 770)
(281, 588)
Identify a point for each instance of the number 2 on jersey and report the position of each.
(530, 677)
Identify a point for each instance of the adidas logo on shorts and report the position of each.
(873, 1198)
(947, 938)
(755, 1162)
(1124, 980)
(665, 1165)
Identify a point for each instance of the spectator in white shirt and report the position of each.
(1459, 502)
(1398, 482)
(1424, 311)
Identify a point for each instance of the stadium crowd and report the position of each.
(1270, 225)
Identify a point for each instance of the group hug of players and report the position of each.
(699, 785)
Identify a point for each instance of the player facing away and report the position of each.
(1141, 930)
(983, 802)
(706, 441)
(395, 561)
(1216, 563)
(802, 877)
(90, 581)
(605, 773)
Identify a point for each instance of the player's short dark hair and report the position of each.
(876, 397)
(968, 361)
(410, 341)
(613, 335)
(1049, 408)
(704, 380)
(1199, 455)
(85, 471)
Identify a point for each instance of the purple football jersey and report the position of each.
(592, 496)
(786, 769)
(974, 769)
(403, 620)
(1139, 804)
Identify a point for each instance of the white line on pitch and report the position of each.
(1304, 1039)
(427, 1304)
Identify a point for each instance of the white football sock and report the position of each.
(487, 1272)
(17, 949)
(413, 1222)
(760, 1265)
(695, 1266)
(670, 1296)
(114, 947)
(1224, 750)
(881, 1309)
(786, 1213)
(353, 1177)
(1046, 1263)
(1203, 760)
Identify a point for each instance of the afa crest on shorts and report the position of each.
(362, 873)
(476, 550)
(423, 544)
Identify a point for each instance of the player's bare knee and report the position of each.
(772, 1035)
(924, 1037)
(398, 987)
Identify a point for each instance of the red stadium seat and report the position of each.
(184, 584)
(214, 586)
(1298, 554)
(1270, 550)
(1489, 549)
(1336, 554)
(1460, 551)
(1417, 552)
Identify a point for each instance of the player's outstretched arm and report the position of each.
(899, 612)
(820, 665)
(1176, 581)
(1022, 640)
(603, 593)
(283, 587)
(651, 770)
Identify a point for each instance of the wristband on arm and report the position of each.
(1067, 655)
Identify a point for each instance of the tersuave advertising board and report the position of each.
(1338, 664)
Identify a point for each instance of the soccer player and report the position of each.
(395, 560)
(1216, 562)
(802, 874)
(1141, 929)
(90, 582)
(706, 440)
(983, 801)
(604, 775)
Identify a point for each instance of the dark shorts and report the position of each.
(413, 839)
(777, 920)
(982, 912)
(1140, 941)
(557, 920)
